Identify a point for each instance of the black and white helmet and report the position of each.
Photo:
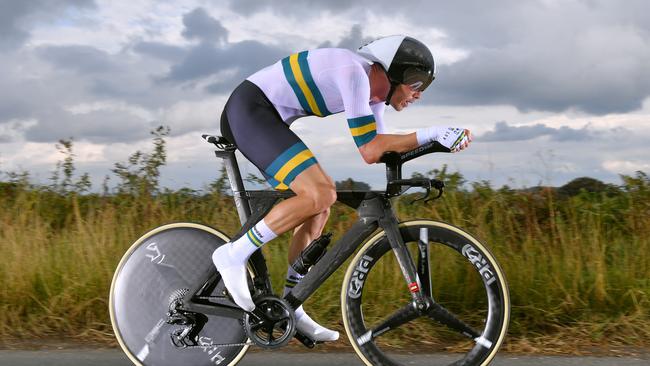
(405, 60)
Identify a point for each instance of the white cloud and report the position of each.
(86, 152)
(25, 155)
(201, 116)
(634, 121)
(114, 23)
(108, 106)
(625, 166)
(267, 28)
(189, 149)
(13, 130)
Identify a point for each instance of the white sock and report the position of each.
(304, 323)
(230, 260)
(292, 280)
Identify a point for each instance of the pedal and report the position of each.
(306, 341)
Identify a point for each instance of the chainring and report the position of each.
(272, 324)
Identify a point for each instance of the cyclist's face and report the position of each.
(403, 96)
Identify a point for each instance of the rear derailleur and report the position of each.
(191, 323)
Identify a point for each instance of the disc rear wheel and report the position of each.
(153, 275)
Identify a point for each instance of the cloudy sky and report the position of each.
(552, 89)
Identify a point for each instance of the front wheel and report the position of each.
(470, 305)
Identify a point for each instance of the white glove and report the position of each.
(453, 138)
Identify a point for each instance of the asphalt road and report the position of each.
(117, 358)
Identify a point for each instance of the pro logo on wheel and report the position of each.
(359, 277)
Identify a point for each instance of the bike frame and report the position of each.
(374, 209)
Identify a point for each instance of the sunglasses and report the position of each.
(418, 79)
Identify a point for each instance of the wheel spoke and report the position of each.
(400, 317)
(441, 314)
(257, 325)
(269, 331)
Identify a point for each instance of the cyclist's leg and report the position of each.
(306, 233)
(261, 135)
(315, 193)
(307, 212)
(286, 163)
(303, 235)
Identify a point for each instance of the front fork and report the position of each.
(420, 292)
(423, 262)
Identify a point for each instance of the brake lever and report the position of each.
(424, 197)
(440, 186)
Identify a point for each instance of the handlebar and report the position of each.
(394, 161)
(390, 157)
(399, 186)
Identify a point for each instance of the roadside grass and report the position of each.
(578, 266)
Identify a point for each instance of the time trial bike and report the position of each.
(168, 305)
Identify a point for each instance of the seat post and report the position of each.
(236, 184)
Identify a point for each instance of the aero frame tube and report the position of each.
(236, 184)
(331, 261)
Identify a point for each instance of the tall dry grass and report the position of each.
(578, 266)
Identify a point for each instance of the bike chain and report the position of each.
(222, 345)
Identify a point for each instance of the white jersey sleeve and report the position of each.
(378, 111)
(354, 87)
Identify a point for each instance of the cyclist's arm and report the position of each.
(373, 150)
(363, 121)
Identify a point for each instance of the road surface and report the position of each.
(265, 358)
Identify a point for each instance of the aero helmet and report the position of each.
(404, 59)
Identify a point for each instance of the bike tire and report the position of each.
(479, 297)
(164, 260)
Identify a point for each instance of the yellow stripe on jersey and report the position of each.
(297, 73)
(358, 131)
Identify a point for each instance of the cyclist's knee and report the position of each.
(321, 197)
(317, 187)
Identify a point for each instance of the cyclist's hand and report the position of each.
(464, 142)
(453, 138)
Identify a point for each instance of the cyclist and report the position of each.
(393, 70)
